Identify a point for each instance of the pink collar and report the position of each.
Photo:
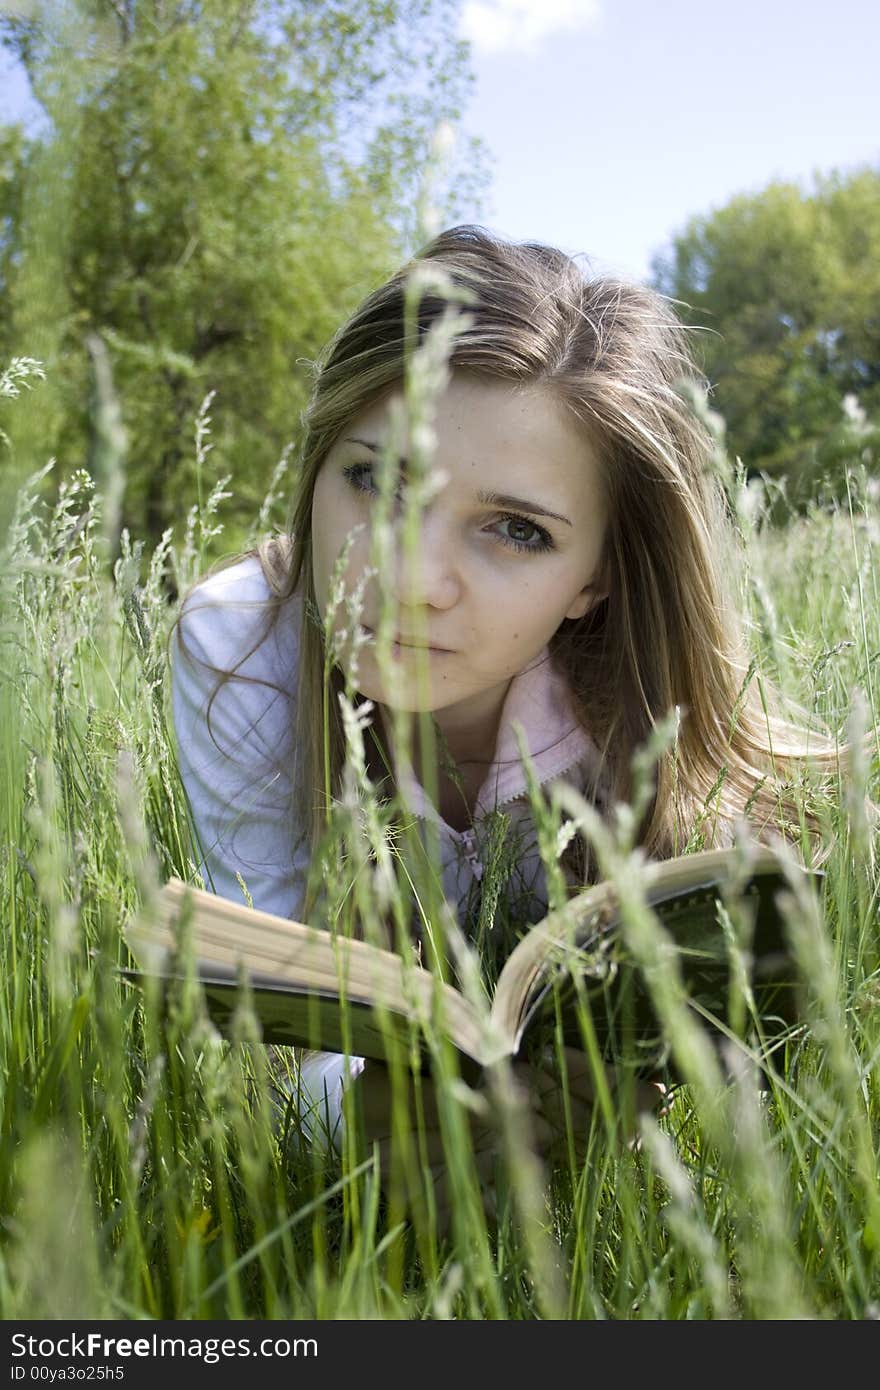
(538, 700)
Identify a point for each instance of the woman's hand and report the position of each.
(548, 1087)
(419, 1110)
(370, 1101)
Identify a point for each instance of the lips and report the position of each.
(401, 641)
(417, 646)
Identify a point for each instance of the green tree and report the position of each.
(217, 184)
(11, 180)
(787, 285)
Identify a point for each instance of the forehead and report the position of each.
(486, 428)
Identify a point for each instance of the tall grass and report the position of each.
(148, 1169)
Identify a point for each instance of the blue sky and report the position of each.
(613, 121)
(610, 122)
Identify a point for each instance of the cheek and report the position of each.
(525, 603)
(324, 548)
(531, 617)
(333, 518)
(318, 564)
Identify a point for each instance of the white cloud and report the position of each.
(498, 26)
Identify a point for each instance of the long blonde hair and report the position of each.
(669, 633)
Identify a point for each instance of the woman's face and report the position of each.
(492, 578)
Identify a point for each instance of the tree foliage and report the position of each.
(215, 187)
(787, 285)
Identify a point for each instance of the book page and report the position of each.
(683, 890)
(291, 966)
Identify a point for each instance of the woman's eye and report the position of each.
(536, 539)
(360, 477)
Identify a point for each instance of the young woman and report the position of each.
(575, 578)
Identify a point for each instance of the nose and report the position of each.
(428, 576)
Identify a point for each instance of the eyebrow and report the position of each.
(489, 499)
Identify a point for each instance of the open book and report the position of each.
(315, 989)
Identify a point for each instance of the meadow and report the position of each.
(149, 1170)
